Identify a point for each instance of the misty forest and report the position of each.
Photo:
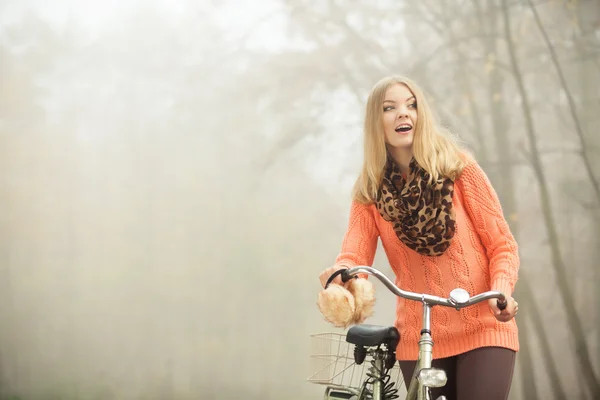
(175, 175)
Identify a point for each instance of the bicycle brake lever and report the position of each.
(344, 276)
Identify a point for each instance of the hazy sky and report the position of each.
(96, 16)
(254, 25)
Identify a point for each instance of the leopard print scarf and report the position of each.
(421, 212)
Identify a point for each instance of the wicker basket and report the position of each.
(332, 360)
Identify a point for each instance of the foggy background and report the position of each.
(174, 175)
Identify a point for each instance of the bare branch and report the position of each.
(570, 100)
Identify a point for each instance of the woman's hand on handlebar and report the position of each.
(328, 272)
(507, 313)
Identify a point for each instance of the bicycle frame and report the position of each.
(459, 298)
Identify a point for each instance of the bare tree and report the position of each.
(585, 148)
(557, 262)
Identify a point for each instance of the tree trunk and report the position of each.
(581, 347)
(589, 98)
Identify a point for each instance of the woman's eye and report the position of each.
(388, 108)
(413, 105)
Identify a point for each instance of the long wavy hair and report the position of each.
(434, 148)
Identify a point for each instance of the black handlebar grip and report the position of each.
(502, 304)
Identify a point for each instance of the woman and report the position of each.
(442, 227)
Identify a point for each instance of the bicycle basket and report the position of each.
(332, 360)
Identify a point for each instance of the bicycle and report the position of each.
(380, 342)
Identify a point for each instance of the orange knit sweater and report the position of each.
(482, 256)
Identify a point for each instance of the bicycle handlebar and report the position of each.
(459, 298)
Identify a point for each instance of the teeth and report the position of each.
(403, 128)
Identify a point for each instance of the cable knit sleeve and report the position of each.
(360, 241)
(484, 209)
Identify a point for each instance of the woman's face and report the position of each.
(399, 116)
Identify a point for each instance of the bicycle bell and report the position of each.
(459, 296)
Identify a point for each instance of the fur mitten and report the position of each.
(346, 305)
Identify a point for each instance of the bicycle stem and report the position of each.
(415, 390)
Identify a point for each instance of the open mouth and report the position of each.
(403, 128)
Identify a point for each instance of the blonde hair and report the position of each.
(435, 149)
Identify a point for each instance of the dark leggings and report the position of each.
(484, 373)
